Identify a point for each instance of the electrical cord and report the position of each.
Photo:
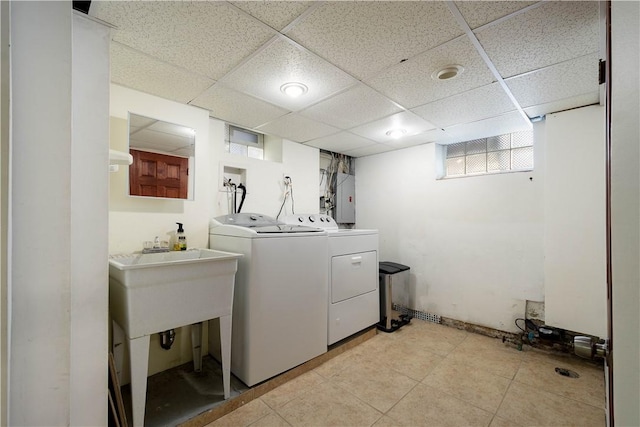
(528, 324)
(288, 191)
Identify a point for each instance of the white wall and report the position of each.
(133, 220)
(625, 211)
(265, 179)
(58, 198)
(89, 218)
(474, 245)
(4, 206)
(574, 221)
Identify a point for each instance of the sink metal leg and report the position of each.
(139, 357)
(196, 346)
(225, 350)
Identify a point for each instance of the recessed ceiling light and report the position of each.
(294, 89)
(447, 73)
(396, 133)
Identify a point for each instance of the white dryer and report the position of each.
(279, 309)
(352, 258)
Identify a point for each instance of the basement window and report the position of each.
(495, 154)
(244, 142)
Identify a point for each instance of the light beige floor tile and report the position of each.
(387, 422)
(529, 406)
(373, 348)
(379, 387)
(411, 357)
(501, 422)
(335, 365)
(588, 388)
(271, 420)
(244, 415)
(438, 339)
(328, 405)
(421, 326)
(475, 386)
(560, 359)
(489, 343)
(291, 389)
(497, 360)
(425, 406)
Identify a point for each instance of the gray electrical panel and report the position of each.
(345, 199)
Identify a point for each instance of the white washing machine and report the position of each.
(279, 309)
(354, 298)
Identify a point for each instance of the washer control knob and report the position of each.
(312, 219)
(253, 217)
(300, 219)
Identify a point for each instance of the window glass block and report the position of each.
(255, 153)
(476, 163)
(500, 142)
(455, 166)
(499, 161)
(239, 149)
(477, 146)
(455, 150)
(522, 158)
(521, 139)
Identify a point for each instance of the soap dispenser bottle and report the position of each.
(181, 239)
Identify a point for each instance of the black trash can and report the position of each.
(392, 276)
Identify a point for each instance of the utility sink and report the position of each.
(151, 293)
(155, 292)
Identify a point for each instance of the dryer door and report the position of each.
(353, 275)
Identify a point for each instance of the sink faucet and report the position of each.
(156, 246)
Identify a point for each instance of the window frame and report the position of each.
(258, 145)
(485, 147)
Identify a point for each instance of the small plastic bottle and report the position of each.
(181, 239)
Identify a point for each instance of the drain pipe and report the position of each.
(589, 348)
(167, 338)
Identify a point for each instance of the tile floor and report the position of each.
(432, 375)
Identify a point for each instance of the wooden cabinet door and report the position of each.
(158, 175)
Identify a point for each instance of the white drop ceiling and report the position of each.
(368, 65)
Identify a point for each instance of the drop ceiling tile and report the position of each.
(479, 13)
(207, 37)
(565, 80)
(433, 135)
(238, 108)
(282, 62)
(563, 104)
(369, 151)
(340, 142)
(506, 123)
(487, 101)
(363, 38)
(543, 36)
(377, 131)
(410, 83)
(276, 14)
(141, 72)
(297, 128)
(360, 104)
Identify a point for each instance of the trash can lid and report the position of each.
(388, 267)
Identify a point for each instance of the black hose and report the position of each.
(244, 194)
(233, 197)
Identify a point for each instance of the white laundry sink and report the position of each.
(150, 293)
